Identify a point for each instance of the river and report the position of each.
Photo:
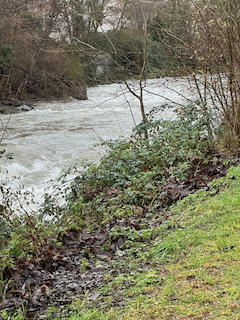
(58, 134)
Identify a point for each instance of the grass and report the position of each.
(193, 268)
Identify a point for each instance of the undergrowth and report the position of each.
(132, 173)
(193, 270)
(124, 196)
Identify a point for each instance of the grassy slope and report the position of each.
(194, 268)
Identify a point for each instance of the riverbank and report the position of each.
(109, 221)
(176, 264)
(190, 271)
(183, 271)
(10, 106)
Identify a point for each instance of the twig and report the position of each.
(154, 198)
(195, 173)
(5, 289)
(5, 129)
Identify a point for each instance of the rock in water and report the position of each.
(8, 106)
(24, 107)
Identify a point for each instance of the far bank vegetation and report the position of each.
(50, 49)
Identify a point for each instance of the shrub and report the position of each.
(134, 170)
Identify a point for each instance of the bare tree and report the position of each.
(215, 38)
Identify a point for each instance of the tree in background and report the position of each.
(57, 45)
(41, 66)
(202, 39)
(213, 34)
(87, 40)
(167, 33)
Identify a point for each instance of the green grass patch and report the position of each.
(194, 267)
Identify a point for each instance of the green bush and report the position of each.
(126, 187)
(133, 170)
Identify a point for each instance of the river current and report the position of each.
(57, 134)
